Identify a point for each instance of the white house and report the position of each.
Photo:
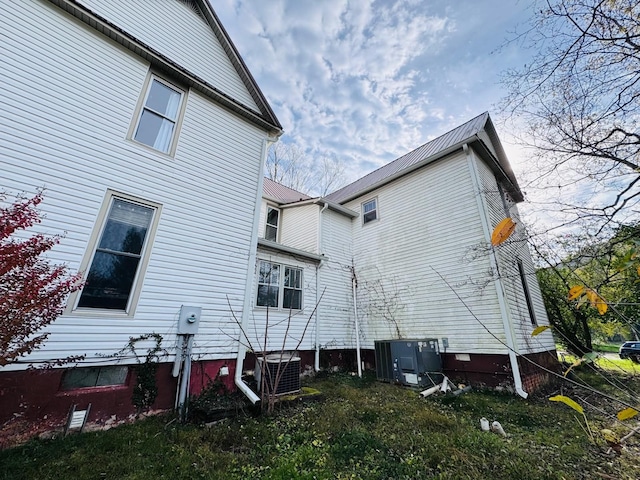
(406, 252)
(149, 135)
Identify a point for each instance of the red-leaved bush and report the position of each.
(32, 291)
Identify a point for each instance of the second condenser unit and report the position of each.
(409, 362)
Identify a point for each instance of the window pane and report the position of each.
(292, 299)
(126, 227)
(369, 206)
(269, 273)
(109, 281)
(272, 217)
(271, 233)
(292, 277)
(111, 376)
(79, 378)
(267, 296)
(164, 100)
(155, 131)
(369, 216)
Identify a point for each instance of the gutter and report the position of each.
(248, 289)
(504, 311)
(316, 362)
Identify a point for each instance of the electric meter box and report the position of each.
(189, 320)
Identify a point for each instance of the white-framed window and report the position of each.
(118, 253)
(158, 118)
(279, 286)
(369, 211)
(271, 224)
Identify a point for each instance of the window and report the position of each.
(159, 116)
(118, 254)
(94, 377)
(271, 229)
(279, 286)
(370, 211)
(527, 294)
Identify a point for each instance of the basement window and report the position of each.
(94, 377)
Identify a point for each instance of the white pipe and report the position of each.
(500, 292)
(316, 363)
(186, 377)
(355, 312)
(248, 289)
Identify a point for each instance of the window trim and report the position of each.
(281, 286)
(376, 210)
(91, 249)
(141, 105)
(267, 224)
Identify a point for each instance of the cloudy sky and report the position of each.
(369, 81)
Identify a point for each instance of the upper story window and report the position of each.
(370, 210)
(119, 251)
(527, 293)
(279, 286)
(271, 227)
(158, 120)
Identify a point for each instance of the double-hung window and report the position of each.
(119, 254)
(527, 293)
(369, 211)
(158, 120)
(271, 227)
(279, 286)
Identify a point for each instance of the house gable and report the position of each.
(184, 39)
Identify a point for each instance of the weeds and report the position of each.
(362, 430)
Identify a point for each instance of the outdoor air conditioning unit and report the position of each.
(286, 365)
(409, 362)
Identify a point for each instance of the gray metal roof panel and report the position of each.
(281, 193)
(430, 149)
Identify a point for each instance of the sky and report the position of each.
(367, 82)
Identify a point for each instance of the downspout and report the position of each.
(500, 292)
(248, 289)
(316, 363)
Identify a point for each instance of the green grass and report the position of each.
(607, 347)
(361, 429)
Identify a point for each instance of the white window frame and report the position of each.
(268, 225)
(142, 107)
(373, 200)
(92, 247)
(281, 284)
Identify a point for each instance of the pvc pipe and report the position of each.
(248, 290)
(504, 311)
(316, 362)
(186, 377)
(355, 312)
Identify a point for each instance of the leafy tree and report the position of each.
(578, 103)
(32, 291)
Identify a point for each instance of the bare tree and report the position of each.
(289, 165)
(578, 101)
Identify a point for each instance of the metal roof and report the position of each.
(453, 140)
(280, 193)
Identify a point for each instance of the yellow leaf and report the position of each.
(602, 307)
(638, 269)
(502, 231)
(575, 292)
(539, 330)
(567, 401)
(592, 297)
(627, 413)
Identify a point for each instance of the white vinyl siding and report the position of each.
(178, 32)
(300, 227)
(508, 254)
(75, 145)
(432, 228)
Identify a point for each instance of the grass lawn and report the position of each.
(361, 429)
